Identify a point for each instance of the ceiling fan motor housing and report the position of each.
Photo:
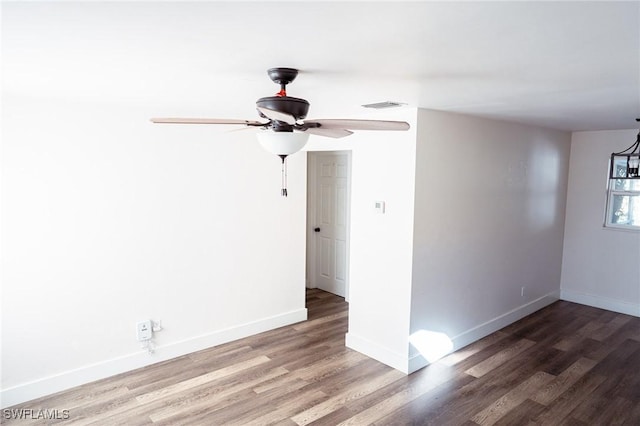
(286, 104)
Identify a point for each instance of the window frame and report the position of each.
(612, 192)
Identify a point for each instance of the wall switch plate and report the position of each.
(144, 330)
(379, 207)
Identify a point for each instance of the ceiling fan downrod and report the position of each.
(282, 76)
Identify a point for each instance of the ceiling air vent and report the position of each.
(385, 104)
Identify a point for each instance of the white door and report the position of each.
(331, 227)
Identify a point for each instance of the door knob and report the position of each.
(316, 229)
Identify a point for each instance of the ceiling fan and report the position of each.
(285, 131)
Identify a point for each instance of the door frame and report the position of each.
(312, 214)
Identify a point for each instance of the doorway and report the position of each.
(328, 221)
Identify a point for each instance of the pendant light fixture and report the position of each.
(626, 164)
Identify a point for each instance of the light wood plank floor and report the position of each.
(567, 364)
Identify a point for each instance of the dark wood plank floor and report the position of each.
(567, 364)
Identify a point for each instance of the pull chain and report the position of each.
(284, 176)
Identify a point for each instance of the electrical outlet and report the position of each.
(144, 330)
(522, 292)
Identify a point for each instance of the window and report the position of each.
(623, 199)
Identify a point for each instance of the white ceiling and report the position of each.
(564, 65)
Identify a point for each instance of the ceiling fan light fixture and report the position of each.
(282, 143)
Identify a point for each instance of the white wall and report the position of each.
(489, 220)
(108, 219)
(601, 267)
(452, 261)
(380, 267)
(381, 244)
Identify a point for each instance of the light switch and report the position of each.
(379, 207)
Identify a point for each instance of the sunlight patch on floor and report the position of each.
(432, 345)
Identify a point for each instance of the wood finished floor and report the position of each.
(567, 364)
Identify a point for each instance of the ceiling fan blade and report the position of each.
(277, 115)
(174, 120)
(360, 124)
(330, 133)
(242, 129)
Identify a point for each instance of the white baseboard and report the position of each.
(609, 304)
(68, 379)
(465, 338)
(377, 352)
